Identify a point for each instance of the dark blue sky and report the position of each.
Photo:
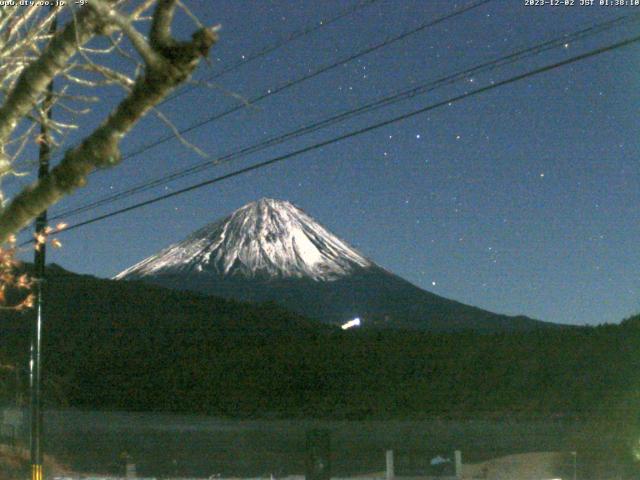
(521, 200)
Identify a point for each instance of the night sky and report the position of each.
(520, 200)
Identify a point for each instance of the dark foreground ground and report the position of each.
(168, 445)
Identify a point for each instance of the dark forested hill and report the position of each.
(127, 345)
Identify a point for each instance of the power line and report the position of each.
(333, 119)
(292, 83)
(358, 132)
(309, 76)
(261, 53)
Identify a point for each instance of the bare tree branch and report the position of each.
(171, 64)
(164, 119)
(139, 42)
(160, 35)
(34, 78)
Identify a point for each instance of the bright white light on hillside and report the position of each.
(351, 323)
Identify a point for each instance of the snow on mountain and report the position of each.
(264, 239)
(271, 251)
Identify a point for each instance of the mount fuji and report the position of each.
(270, 250)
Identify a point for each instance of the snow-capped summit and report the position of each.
(263, 239)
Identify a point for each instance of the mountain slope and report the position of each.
(270, 250)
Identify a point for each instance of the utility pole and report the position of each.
(35, 363)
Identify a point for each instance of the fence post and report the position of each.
(458, 463)
(318, 461)
(390, 470)
(130, 469)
